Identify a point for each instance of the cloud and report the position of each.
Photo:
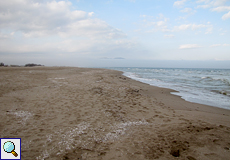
(218, 2)
(210, 3)
(189, 46)
(202, 1)
(160, 24)
(36, 19)
(183, 27)
(54, 26)
(203, 6)
(216, 5)
(179, 3)
(4, 36)
(209, 29)
(218, 45)
(143, 16)
(221, 9)
(169, 36)
(226, 16)
(186, 10)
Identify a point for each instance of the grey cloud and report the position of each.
(35, 19)
(51, 26)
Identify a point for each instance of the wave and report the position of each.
(199, 86)
(222, 80)
(222, 92)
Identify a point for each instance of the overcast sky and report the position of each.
(113, 33)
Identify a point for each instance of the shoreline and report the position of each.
(94, 113)
(193, 89)
(183, 105)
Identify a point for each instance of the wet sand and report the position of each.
(98, 114)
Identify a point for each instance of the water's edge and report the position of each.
(203, 86)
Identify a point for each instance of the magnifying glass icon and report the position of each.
(9, 147)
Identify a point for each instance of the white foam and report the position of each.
(194, 86)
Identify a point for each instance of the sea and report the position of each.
(205, 86)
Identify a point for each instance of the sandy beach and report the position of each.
(98, 114)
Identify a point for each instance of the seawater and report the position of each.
(204, 86)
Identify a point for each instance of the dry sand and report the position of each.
(98, 114)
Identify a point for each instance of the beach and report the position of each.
(99, 114)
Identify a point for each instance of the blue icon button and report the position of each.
(9, 147)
